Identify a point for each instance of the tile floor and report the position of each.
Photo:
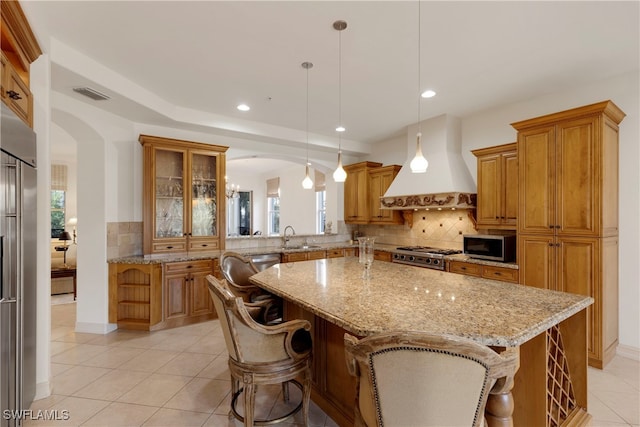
(179, 377)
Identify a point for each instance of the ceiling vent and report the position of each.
(91, 93)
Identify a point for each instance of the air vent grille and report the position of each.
(91, 93)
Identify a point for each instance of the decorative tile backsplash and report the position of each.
(442, 229)
(124, 239)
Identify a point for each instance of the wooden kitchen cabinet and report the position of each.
(19, 49)
(135, 296)
(186, 293)
(184, 200)
(379, 181)
(303, 256)
(487, 271)
(497, 205)
(356, 192)
(568, 212)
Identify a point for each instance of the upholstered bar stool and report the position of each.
(261, 354)
(236, 269)
(416, 379)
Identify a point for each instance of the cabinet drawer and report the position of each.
(316, 255)
(382, 256)
(296, 256)
(188, 266)
(335, 253)
(465, 268)
(168, 247)
(498, 273)
(203, 246)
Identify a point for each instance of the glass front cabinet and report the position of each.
(184, 203)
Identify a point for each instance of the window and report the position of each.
(273, 207)
(57, 212)
(58, 199)
(321, 211)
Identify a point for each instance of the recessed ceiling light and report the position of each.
(428, 93)
(340, 129)
(243, 107)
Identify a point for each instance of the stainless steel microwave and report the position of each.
(490, 247)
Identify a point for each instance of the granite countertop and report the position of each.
(401, 297)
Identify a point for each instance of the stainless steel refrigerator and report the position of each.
(18, 267)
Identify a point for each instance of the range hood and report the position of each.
(447, 184)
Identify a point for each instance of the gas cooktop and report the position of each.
(428, 250)
(423, 256)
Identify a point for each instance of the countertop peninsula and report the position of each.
(400, 297)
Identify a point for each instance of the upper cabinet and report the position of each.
(569, 172)
(366, 183)
(356, 192)
(379, 181)
(19, 50)
(184, 202)
(497, 205)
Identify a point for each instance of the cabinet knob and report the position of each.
(497, 273)
(189, 266)
(557, 226)
(550, 244)
(463, 268)
(551, 226)
(169, 247)
(204, 245)
(13, 95)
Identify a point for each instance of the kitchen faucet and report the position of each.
(293, 233)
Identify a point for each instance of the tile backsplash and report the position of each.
(124, 239)
(442, 229)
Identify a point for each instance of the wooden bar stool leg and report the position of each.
(249, 399)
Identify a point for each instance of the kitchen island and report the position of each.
(548, 327)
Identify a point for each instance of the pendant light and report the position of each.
(307, 183)
(339, 175)
(419, 163)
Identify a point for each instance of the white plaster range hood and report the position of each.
(447, 184)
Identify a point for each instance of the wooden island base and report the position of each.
(549, 389)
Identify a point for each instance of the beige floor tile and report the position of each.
(58, 347)
(113, 357)
(218, 368)
(47, 402)
(113, 337)
(155, 390)
(112, 385)
(187, 364)
(217, 420)
(172, 417)
(76, 378)
(601, 413)
(176, 342)
(121, 414)
(78, 410)
(78, 354)
(77, 337)
(144, 340)
(626, 405)
(200, 395)
(59, 368)
(211, 344)
(149, 360)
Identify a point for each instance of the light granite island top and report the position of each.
(549, 329)
(405, 298)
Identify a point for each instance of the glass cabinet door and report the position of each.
(204, 218)
(169, 194)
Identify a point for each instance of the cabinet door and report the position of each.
(379, 181)
(200, 299)
(176, 295)
(577, 165)
(578, 273)
(536, 261)
(489, 185)
(202, 211)
(536, 151)
(509, 179)
(355, 197)
(168, 210)
(16, 93)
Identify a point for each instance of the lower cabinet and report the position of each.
(158, 296)
(487, 271)
(186, 292)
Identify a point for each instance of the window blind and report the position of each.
(59, 177)
(273, 187)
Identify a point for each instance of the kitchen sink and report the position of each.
(284, 248)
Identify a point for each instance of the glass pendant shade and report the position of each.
(307, 183)
(339, 175)
(419, 164)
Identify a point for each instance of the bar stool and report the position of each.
(260, 354)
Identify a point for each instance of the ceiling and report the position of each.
(188, 64)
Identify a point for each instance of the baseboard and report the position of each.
(43, 390)
(95, 328)
(628, 352)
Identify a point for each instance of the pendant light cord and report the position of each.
(307, 124)
(340, 89)
(419, 61)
